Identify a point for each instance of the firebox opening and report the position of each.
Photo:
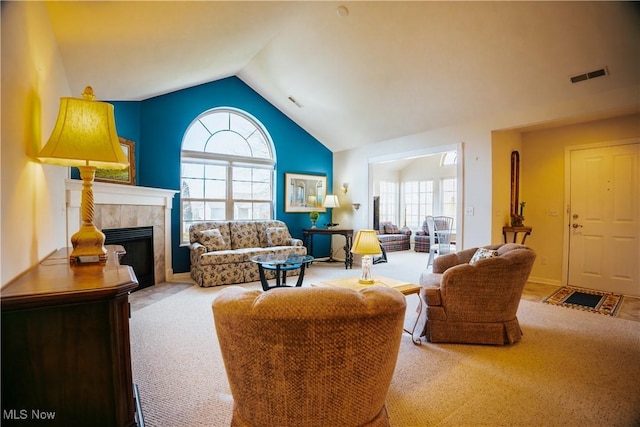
(138, 244)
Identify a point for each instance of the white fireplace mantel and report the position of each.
(119, 194)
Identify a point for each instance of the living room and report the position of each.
(605, 110)
(35, 74)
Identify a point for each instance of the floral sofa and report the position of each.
(392, 238)
(220, 251)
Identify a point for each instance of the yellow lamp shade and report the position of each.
(366, 243)
(84, 135)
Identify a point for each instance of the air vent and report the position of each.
(295, 101)
(590, 75)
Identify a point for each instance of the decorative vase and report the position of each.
(517, 220)
(313, 223)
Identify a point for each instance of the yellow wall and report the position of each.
(503, 144)
(542, 161)
(32, 202)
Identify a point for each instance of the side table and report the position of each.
(515, 231)
(405, 288)
(308, 233)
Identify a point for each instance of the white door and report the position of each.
(604, 248)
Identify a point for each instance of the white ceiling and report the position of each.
(386, 70)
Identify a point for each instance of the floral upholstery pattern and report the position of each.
(278, 236)
(483, 253)
(212, 240)
(242, 240)
(243, 234)
(222, 226)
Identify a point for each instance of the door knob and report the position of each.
(576, 226)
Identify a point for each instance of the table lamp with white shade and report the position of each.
(331, 201)
(85, 136)
(366, 244)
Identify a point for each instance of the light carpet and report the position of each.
(571, 368)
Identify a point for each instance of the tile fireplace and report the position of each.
(119, 206)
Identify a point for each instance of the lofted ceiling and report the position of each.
(368, 72)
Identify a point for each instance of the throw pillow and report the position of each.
(212, 240)
(483, 253)
(278, 236)
(425, 227)
(391, 229)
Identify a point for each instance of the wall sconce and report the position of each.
(356, 206)
(345, 187)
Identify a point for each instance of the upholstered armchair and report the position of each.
(475, 301)
(309, 356)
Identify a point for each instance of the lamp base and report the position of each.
(365, 277)
(88, 247)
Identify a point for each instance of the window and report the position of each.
(389, 201)
(226, 169)
(448, 189)
(418, 202)
(449, 158)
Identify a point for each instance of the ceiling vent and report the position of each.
(590, 75)
(295, 101)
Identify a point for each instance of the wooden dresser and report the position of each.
(65, 345)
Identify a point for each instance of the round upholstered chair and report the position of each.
(472, 296)
(309, 356)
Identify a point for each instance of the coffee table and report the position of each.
(280, 264)
(405, 288)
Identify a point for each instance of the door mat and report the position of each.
(606, 303)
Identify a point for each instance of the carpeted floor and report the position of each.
(571, 368)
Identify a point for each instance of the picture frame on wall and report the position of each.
(305, 193)
(121, 176)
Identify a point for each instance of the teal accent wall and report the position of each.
(158, 124)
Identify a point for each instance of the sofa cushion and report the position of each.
(244, 234)
(278, 236)
(262, 226)
(425, 227)
(223, 226)
(212, 240)
(391, 229)
(221, 257)
(483, 253)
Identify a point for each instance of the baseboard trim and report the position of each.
(544, 281)
(179, 277)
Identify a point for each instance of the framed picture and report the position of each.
(121, 176)
(304, 193)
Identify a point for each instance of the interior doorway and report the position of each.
(413, 166)
(603, 217)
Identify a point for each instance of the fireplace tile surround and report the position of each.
(124, 206)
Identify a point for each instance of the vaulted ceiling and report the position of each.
(362, 71)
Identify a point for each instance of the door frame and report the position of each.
(426, 151)
(567, 194)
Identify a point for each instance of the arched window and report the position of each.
(226, 168)
(449, 158)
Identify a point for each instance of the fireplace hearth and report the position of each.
(138, 244)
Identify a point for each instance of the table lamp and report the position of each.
(331, 201)
(85, 136)
(366, 244)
